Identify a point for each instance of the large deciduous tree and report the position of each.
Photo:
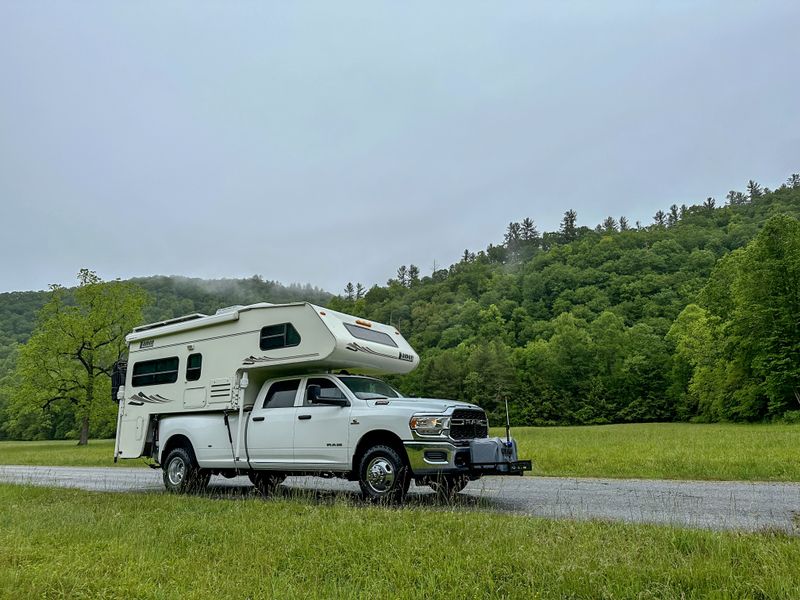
(77, 339)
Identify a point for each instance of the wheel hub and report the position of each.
(380, 474)
(176, 470)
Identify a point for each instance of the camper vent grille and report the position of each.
(220, 390)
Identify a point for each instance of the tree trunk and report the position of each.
(84, 439)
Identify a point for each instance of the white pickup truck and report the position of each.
(261, 390)
(354, 427)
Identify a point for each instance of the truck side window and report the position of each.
(193, 367)
(327, 389)
(281, 394)
(155, 372)
(279, 336)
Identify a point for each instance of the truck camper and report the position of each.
(271, 390)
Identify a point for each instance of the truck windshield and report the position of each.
(368, 388)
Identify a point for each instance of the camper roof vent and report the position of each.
(229, 309)
(158, 324)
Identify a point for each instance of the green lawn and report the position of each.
(75, 544)
(665, 450)
(98, 453)
(659, 450)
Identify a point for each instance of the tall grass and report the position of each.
(74, 544)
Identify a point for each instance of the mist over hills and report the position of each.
(171, 296)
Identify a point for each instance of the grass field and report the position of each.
(74, 544)
(657, 450)
(665, 451)
(98, 453)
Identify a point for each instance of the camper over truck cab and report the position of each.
(270, 390)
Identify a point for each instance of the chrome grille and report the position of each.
(467, 424)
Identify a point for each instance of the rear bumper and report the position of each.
(433, 458)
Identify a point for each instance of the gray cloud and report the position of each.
(327, 142)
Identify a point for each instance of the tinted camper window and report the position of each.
(155, 372)
(193, 367)
(369, 335)
(279, 336)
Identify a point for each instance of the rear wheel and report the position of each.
(266, 482)
(181, 473)
(383, 475)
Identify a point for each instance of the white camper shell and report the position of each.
(196, 363)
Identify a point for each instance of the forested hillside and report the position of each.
(620, 322)
(169, 297)
(691, 317)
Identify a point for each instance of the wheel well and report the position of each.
(178, 441)
(378, 436)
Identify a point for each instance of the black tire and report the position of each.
(181, 473)
(447, 486)
(383, 475)
(266, 482)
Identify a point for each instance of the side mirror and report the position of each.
(314, 395)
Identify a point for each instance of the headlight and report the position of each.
(429, 424)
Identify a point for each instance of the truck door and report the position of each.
(270, 433)
(321, 431)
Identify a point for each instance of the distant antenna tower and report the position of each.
(434, 265)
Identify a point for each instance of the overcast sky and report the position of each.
(324, 142)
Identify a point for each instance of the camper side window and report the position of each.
(155, 372)
(282, 394)
(279, 336)
(194, 366)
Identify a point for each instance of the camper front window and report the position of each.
(370, 335)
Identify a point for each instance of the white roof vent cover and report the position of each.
(229, 309)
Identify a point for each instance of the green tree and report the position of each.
(569, 227)
(413, 275)
(765, 326)
(68, 358)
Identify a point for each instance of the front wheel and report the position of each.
(182, 474)
(383, 475)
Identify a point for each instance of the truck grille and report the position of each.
(466, 424)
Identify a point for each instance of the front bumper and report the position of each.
(434, 458)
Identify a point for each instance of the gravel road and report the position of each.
(710, 505)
